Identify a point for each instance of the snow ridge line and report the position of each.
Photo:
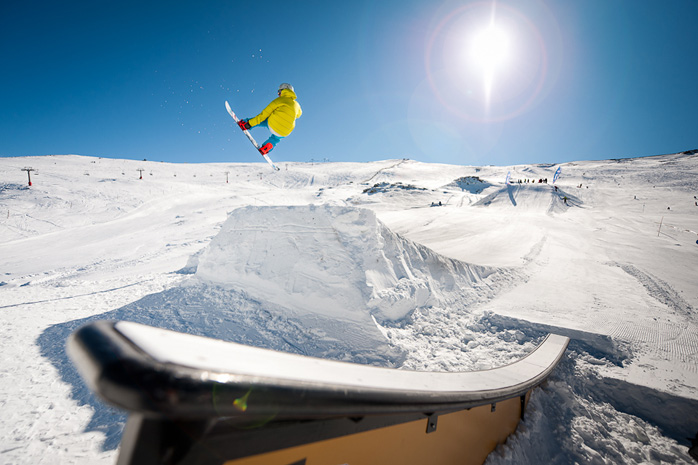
(380, 171)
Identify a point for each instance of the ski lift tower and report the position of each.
(28, 169)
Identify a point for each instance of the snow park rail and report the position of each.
(195, 400)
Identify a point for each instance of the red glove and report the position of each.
(244, 125)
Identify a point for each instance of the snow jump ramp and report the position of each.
(195, 400)
(532, 198)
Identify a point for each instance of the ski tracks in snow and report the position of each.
(677, 339)
(661, 291)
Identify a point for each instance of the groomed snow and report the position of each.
(391, 263)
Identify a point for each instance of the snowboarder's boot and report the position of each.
(266, 148)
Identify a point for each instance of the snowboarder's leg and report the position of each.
(273, 140)
(270, 143)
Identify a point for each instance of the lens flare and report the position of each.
(241, 402)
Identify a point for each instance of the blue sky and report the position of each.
(573, 80)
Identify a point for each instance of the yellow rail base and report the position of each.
(464, 438)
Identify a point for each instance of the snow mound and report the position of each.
(407, 195)
(472, 184)
(336, 262)
(529, 197)
(385, 187)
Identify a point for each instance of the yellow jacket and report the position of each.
(281, 114)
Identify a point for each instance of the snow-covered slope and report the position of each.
(401, 263)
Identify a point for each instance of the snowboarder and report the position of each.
(279, 117)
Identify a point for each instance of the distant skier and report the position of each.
(279, 117)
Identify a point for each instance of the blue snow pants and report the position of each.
(273, 138)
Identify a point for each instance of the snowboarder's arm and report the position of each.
(276, 103)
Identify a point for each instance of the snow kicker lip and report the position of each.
(197, 377)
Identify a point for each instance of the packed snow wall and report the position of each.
(338, 262)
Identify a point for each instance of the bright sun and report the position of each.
(489, 52)
(488, 62)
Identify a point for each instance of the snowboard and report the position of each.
(249, 136)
